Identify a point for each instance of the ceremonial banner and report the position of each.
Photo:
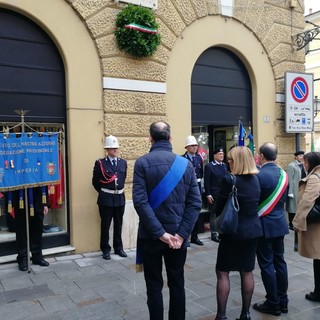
(28, 160)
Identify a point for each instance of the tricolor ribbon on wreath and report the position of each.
(135, 26)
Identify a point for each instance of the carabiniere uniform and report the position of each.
(109, 183)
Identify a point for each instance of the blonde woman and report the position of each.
(237, 252)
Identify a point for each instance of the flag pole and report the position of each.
(22, 113)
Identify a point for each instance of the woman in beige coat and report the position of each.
(309, 234)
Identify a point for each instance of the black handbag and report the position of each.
(314, 214)
(227, 221)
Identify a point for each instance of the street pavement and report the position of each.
(87, 287)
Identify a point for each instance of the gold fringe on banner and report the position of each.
(21, 204)
(52, 190)
(44, 199)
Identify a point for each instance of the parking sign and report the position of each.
(299, 102)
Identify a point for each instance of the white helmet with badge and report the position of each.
(190, 140)
(111, 142)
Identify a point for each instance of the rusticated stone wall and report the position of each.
(128, 114)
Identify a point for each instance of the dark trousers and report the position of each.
(316, 273)
(106, 215)
(274, 273)
(35, 234)
(152, 253)
(212, 217)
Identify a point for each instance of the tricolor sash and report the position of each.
(268, 204)
(168, 182)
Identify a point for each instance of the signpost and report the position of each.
(299, 102)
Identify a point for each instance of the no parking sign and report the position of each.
(299, 102)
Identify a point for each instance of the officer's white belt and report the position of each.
(112, 191)
(199, 180)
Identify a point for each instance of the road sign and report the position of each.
(299, 102)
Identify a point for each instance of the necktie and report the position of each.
(114, 165)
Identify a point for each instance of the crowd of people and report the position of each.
(167, 198)
(168, 193)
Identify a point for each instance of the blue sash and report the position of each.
(168, 182)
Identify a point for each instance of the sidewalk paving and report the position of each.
(88, 287)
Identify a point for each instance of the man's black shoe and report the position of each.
(23, 266)
(266, 307)
(121, 253)
(41, 262)
(284, 308)
(312, 297)
(197, 242)
(106, 256)
(215, 237)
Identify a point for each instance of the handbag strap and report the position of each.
(234, 192)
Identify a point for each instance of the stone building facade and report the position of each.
(110, 92)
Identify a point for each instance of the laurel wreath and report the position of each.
(136, 31)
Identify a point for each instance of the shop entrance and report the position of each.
(221, 96)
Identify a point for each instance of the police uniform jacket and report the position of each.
(180, 210)
(213, 173)
(275, 223)
(309, 191)
(99, 179)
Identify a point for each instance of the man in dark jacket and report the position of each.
(214, 171)
(109, 175)
(270, 252)
(167, 199)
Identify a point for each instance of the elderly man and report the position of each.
(294, 171)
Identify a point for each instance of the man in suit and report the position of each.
(109, 175)
(191, 146)
(213, 172)
(270, 252)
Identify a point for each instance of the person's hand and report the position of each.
(179, 242)
(210, 199)
(169, 239)
(290, 195)
(45, 210)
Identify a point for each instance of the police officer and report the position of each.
(213, 172)
(191, 146)
(109, 175)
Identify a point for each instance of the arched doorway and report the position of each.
(32, 78)
(221, 95)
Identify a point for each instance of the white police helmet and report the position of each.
(111, 142)
(190, 140)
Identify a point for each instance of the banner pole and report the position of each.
(22, 113)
